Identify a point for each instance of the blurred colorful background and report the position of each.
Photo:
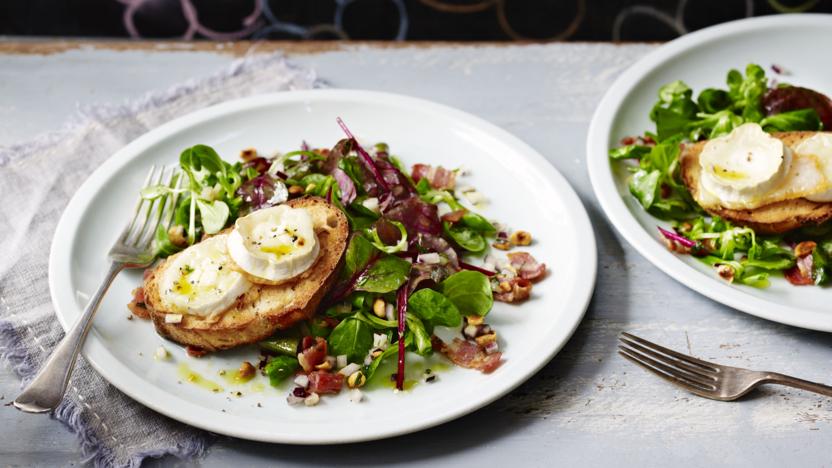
(446, 20)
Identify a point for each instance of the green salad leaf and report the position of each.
(629, 152)
(385, 275)
(214, 215)
(802, 119)
(433, 308)
(418, 336)
(287, 346)
(359, 253)
(469, 291)
(353, 338)
(465, 237)
(280, 368)
(370, 370)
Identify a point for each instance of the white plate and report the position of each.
(702, 59)
(524, 190)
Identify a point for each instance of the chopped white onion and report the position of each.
(431, 258)
(350, 369)
(371, 204)
(356, 396)
(173, 318)
(161, 353)
(470, 331)
(294, 400)
(341, 361)
(312, 399)
(302, 380)
(390, 312)
(380, 340)
(492, 347)
(475, 197)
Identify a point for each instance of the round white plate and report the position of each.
(702, 59)
(524, 191)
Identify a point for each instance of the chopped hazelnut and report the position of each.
(379, 308)
(804, 248)
(295, 190)
(483, 340)
(248, 154)
(521, 290)
(356, 379)
(176, 234)
(246, 370)
(726, 272)
(502, 244)
(520, 238)
(474, 320)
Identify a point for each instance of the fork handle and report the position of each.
(773, 377)
(47, 389)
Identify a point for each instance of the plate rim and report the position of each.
(107, 364)
(603, 182)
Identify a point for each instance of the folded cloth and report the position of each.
(37, 179)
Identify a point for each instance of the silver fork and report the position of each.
(714, 381)
(132, 249)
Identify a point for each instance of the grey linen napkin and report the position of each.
(37, 180)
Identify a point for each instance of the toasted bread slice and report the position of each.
(774, 218)
(262, 310)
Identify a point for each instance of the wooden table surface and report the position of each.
(588, 405)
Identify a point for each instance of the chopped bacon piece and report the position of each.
(453, 216)
(314, 352)
(801, 273)
(195, 351)
(514, 290)
(438, 177)
(420, 171)
(139, 310)
(137, 306)
(468, 354)
(138, 295)
(526, 266)
(322, 382)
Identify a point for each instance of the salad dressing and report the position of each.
(188, 375)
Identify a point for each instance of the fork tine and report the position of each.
(669, 368)
(168, 221)
(668, 377)
(671, 361)
(129, 228)
(159, 211)
(147, 214)
(682, 357)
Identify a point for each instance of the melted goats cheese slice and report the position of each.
(274, 244)
(819, 147)
(201, 280)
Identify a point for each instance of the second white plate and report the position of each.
(702, 59)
